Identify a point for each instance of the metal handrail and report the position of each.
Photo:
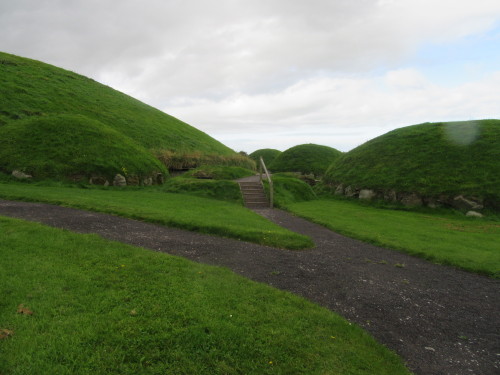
(262, 165)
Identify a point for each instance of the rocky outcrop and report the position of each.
(21, 175)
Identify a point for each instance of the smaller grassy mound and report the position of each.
(268, 154)
(215, 189)
(307, 159)
(430, 159)
(218, 172)
(289, 189)
(71, 145)
(102, 307)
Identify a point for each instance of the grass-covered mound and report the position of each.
(307, 159)
(65, 145)
(431, 159)
(268, 154)
(289, 189)
(32, 89)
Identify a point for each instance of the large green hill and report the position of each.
(306, 159)
(267, 154)
(431, 159)
(35, 95)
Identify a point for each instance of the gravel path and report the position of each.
(439, 319)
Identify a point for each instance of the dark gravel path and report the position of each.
(440, 320)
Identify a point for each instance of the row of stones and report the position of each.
(470, 204)
(118, 180)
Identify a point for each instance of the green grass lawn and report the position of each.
(100, 307)
(177, 210)
(471, 244)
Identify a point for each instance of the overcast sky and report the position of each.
(276, 73)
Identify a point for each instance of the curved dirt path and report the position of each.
(439, 319)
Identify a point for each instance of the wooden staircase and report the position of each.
(253, 194)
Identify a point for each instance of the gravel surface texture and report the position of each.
(440, 320)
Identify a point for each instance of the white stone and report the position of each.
(367, 194)
(21, 175)
(473, 214)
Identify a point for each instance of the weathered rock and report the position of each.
(159, 179)
(21, 175)
(462, 203)
(473, 214)
(148, 181)
(98, 180)
(351, 192)
(339, 190)
(119, 180)
(411, 199)
(390, 196)
(133, 180)
(367, 194)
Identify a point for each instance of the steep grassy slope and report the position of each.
(430, 159)
(32, 89)
(307, 158)
(268, 154)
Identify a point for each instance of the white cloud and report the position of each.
(282, 67)
(339, 112)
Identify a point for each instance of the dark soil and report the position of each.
(439, 319)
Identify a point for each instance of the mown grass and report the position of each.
(214, 189)
(101, 307)
(176, 210)
(468, 243)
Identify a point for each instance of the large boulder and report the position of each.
(119, 180)
(367, 194)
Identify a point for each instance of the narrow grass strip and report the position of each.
(176, 210)
(468, 243)
(91, 306)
